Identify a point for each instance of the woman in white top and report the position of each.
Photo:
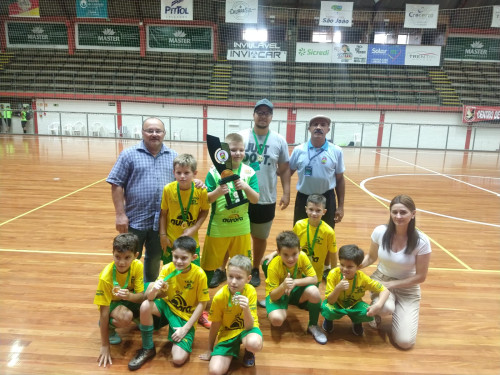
(404, 253)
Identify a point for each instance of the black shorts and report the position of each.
(261, 213)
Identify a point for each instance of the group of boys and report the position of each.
(179, 296)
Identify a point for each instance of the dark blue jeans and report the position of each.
(152, 256)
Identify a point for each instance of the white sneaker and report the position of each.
(318, 334)
(376, 322)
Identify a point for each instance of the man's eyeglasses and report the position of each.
(260, 113)
(153, 131)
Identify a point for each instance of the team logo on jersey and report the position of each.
(323, 160)
(238, 323)
(180, 304)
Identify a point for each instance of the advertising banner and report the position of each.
(36, 35)
(349, 53)
(334, 13)
(419, 16)
(92, 8)
(182, 39)
(314, 52)
(472, 49)
(423, 55)
(495, 19)
(106, 36)
(256, 51)
(241, 11)
(477, 113)
(386, 54)
(24, 8)
(178, 10)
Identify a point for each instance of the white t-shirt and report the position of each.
(399, 265)
(276, 151)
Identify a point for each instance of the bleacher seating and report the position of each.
(187, 76)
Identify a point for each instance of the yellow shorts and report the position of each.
(215, 249)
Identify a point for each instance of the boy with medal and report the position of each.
(184, 207)
(291, 280)
(234, 319)
(177, 299)
(345, 288)
(120, 292)
(266, 151)
(228, 229)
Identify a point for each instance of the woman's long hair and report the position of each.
(412, 232)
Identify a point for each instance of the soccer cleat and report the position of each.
(219, 277)
(357, 329)
(318, 335)
(255, 280)
(203, 320)
(325, 273)
(376, 322)
(141, 357)
(248, 359)
(114, 338)
(328, 326)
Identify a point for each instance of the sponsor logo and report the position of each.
(37, 34)
(234, 218)
(423, 56)
(109, 36)
(336, 8)
(312, 52)
(83, 4)
(179, 38)
(256, 54)
(256, 45)
(420, 13)
(241, 10)
(476, 48)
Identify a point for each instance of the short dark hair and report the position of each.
(352, 252)
(288, 239)
(241, 262)
(125, 242)
(317, 199)
(185, 243)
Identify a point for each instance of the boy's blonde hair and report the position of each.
(234, 137)
(287, 239)
(241, 262)
(186, 160)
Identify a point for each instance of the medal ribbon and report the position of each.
(115, 283)
(309, 245)
(184, 213)
(260, 147)
(172, 274)
(294, 270)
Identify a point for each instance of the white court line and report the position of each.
(108, 254)
(362, 185)
(438, 173)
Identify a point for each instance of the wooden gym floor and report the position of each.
(57, 226)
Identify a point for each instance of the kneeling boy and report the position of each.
(176, 298)
(234, 319)
(120, 292)
(291, 280)
(345, 288)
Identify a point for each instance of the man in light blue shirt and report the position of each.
(137, 180)
(320, 168)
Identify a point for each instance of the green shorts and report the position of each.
(231, 347)
(284, 301)
(132, 306)
(357, 312)
(168, 317)
(166, 256)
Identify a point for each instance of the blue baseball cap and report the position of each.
(265, 102)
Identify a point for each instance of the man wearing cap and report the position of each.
(320, 168)
(266, 152)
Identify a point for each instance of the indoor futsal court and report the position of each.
(57, 226)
